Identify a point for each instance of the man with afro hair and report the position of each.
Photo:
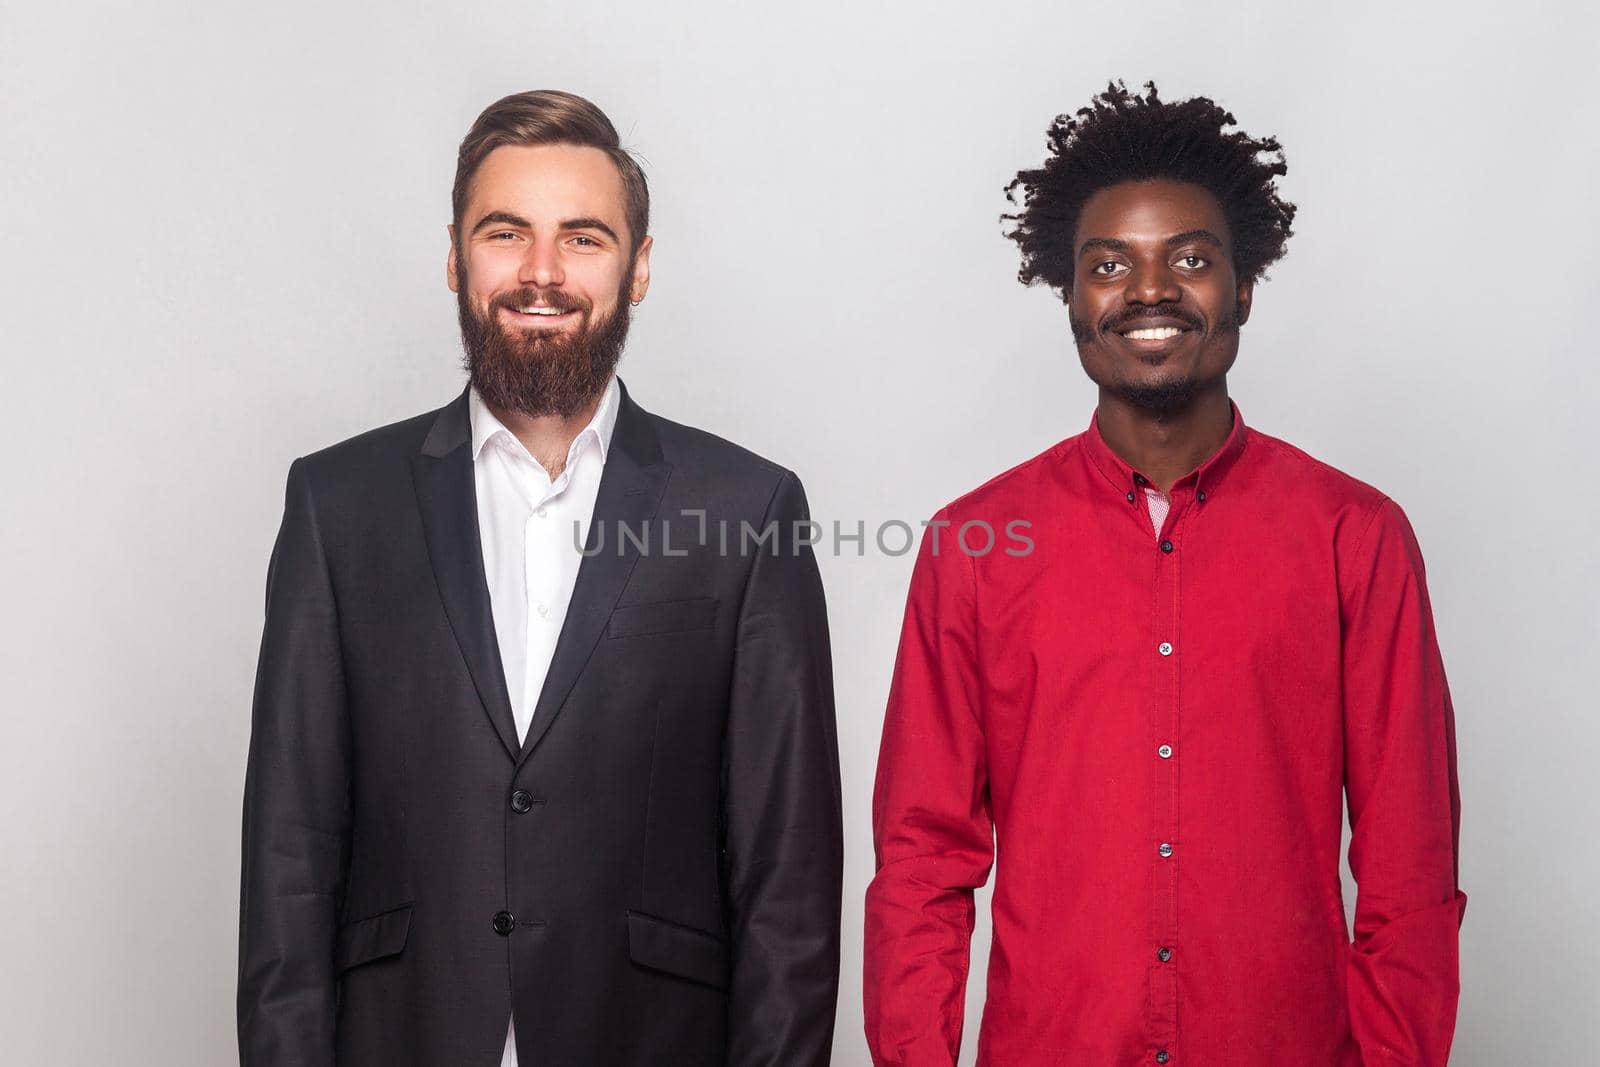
(1148, 721)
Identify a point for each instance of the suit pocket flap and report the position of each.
(372, 938)
(680, 950)
(663, 616)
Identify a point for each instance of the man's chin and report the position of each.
(542, 371)
(539, 332)
(1163, 395)
(535, 346)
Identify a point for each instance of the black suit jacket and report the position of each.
(653, 877)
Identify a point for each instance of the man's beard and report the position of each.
(1167, 396)
(540, 371)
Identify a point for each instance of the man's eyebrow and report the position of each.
(1190, 236)
(1111, 244)
(588, 223)
(1108, 244)
(502, 218)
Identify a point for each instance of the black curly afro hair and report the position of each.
(1122, 137)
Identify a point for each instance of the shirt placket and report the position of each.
(543, 544)
(537, 493)
(1166, 643)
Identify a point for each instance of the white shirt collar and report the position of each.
(486, 427)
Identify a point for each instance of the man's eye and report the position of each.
(1192, 262)
(502, 233)
(585, 242)
(1107, 268)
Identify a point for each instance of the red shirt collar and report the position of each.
(1204, 479)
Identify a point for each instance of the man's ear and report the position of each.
(450, 278)
(1246, 293)
(641, 270)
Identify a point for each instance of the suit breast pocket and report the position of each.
(663, 617)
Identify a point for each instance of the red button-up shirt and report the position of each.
(1158, 733)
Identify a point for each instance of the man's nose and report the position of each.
(541, 266)
(1152, 283)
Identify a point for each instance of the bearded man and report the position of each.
(539, 772)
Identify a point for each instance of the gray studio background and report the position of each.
(224, 247)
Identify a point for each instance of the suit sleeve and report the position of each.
(296, 807)
(1404, 803)
(932, 825)
(781, 808)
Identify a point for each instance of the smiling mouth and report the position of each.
(538, 313)
(1157, 333)
(1155, 341)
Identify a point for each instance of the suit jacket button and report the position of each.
(521, 802)
(504, 923)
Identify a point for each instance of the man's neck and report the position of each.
(548, 438)
(1166, 447)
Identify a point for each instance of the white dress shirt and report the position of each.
(531, 527)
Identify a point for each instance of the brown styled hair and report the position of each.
(550, 116)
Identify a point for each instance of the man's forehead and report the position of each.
(547, 181)
(1157, 209)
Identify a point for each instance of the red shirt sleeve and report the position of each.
(1404, 803)
(933, 830)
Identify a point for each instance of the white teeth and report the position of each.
(539, 311)
(1160, 334)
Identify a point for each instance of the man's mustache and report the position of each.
(1119, 322)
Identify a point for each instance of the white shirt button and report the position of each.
(543, 610)
(1165, 850)
(1165, 648)
(1165, 751)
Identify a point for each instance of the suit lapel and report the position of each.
(630, 491)
(447, 496)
